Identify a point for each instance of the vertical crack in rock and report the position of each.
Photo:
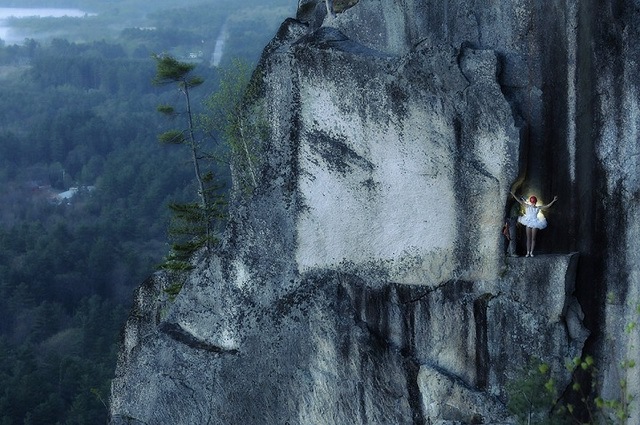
(370, 309)
(482, 345)
(412, 369)
(463, 237)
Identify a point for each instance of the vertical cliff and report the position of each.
(364, 279)
(607, 122)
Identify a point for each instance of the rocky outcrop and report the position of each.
(340, 349)
(364, 279)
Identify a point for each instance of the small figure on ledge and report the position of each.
(532, 219)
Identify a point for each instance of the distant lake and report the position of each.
(20, 12)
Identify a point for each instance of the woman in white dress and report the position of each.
(532, 219)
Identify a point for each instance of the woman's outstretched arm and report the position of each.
(555, 198)
(520, 200)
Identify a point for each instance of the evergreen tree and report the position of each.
(193, 224)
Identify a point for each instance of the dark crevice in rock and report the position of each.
(482, 345)
(382, 342)
(340, 6)
(410, 294)
(328, 38)
(590, 240)
(362, 408)
(367, 306)
(464, 239)
(356, 298)
(179, 334)
(450, 376)
(412, 369)
(419, 297)
(460, 53)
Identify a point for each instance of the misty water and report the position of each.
(9, 36)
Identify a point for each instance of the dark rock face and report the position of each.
(337, 350)
(364, 279)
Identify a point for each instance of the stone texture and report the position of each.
(363, 280)
(395, 168)
(337, 350)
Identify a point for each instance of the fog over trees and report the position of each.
(84, 183)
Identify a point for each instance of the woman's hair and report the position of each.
(533, 200)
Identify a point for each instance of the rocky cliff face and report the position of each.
(364, 280)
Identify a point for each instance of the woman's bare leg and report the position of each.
(528, 229)
(533, 239)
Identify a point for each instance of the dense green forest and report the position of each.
(84, 187)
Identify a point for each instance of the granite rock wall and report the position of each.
(364, 279)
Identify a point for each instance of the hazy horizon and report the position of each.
(87, 20)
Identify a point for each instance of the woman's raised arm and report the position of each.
(555, 198)
(520, 200)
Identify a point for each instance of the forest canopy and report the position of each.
(85, 185)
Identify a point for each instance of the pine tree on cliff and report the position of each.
(195, 221)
